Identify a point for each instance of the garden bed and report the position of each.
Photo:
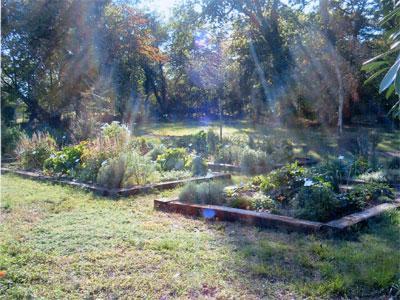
(263, 219)
(116, 191)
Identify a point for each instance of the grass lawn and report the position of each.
(60, 242)
(314, 142)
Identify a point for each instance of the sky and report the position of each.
(162, 7)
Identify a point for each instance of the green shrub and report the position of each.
(115, 130)
(363, 194)
(174, 175)
(33, 151)
(126, 170)
(199, 166)
(283, 183)
(157, 150)
(212, 141)
(10, 136)
(240, 202)
(229, 154)
(204, 193)
(199, 141)
(65, 161)
(254, 161)
(378, 176)
(261, 202)
(173, 159)
(317, 203)
(336, 171)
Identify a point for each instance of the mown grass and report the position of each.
(317, 142)
(58, 242)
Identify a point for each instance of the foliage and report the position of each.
(229, 154)
(363, 194)
(173, 159)
(261, 202)
(33, 151)
(125, 170)
(283, 183)
(10, 136)
(212, 141)
(199, 166)
(199, 141)
(378, 176)
(158, 149)
(174, 175)
(254, 161)
(204, 193)
(65, 161)
(317, 203)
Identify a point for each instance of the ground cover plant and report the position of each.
(61, 242)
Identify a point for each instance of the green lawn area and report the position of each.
(59, 242)
(314, 142)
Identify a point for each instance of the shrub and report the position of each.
(212, 141)
(32, 152)
(253, 161)
(10, 136)
(317, 203)
(363, 194)
(283, 183)
(199, 166)
(138, 170)
(173, 159)
(378, 176)
(241, 202)
(65, 161)
(115, 130)
(126, 170)
(229, 154)
(204, 193)
(336, 171)
(157, 150)
(199, 141)
(261, 202)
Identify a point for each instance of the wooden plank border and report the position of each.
(122, 192)
(222, 213)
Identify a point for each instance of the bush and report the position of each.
(363, 194)
(261, 202)
(65, 161)
(115, 130)
(10, 137)
(283, 183)
(253, 161)
(204, 193)
(157, 150)
(378, 176)
(317, 203)
(199, 141)
(173, 159)
(212, 141)
(199, 166)
(229, 154)
(336, 171)
(126, 170)
(32, 152)
(174, 175)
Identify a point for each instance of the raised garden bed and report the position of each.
(117, 191)
(263, 219)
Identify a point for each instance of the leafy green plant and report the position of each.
(33, 151)
(10, 136)
(65, 161)
(112, 171)
(199, 166)
(317, 203)
(173, 159)
(212, 141)
(261, 202)
(203, 193)
(363, 194)
(254, 161)
(157, 150)
(229, 154)
(199, 141)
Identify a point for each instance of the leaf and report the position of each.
(373, 66)
(397, 83)
(394, 45)
(389, 92)
(389, 16)
(375, 75)
(379, 56)
(389, 77)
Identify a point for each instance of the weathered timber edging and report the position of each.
(222, 213)
(123, 192)
(219, 167)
